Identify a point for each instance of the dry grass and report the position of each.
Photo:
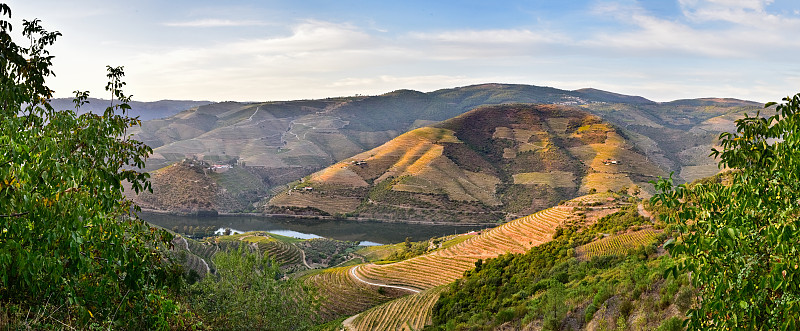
(602, 182)
(552, 179)
(341, 295)
(417, 158)
(441, 175)
(375, 253)
(339, 174)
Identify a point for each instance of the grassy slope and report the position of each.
(552, 287)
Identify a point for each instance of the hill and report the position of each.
(486, 165)
(287, 140)
(144, 110)
(678, 135)
(193, 187)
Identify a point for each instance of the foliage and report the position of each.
(67, 241)
(740, 241)
(549, 284)
(246, 293)
(411, 249)
(327, 252)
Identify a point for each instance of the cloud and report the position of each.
(501, 36)
(752, 14)
(215, 22)
(320, 59)
(309, 36)
(466, 44)
(708, 28)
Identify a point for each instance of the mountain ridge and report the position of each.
(287, 140)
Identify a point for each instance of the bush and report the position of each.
(671, 324)
(246, 295)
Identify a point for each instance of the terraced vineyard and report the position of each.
(445, 266)
(617, 245)
(286, 254)
(186, 258)
(411, 312)
(283, 253)
(341, 295)
(202, 249)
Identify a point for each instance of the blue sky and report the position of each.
(283, 50)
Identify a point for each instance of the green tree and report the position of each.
(740, 241)
(246, 294)
(66, 238)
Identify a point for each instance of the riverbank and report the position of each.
(318, 217)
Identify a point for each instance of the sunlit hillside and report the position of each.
(488, 164)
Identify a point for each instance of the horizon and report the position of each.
(386, 92)
(252, 52)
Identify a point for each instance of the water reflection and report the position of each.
(368, 233)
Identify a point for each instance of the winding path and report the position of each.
(304, 257)
(353, 273)
(348, 323)
(186, 243)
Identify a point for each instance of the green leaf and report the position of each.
(731, 233)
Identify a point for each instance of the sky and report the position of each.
(285, 50)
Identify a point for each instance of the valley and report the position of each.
(488, 207)
(370, 292)
(349, 146)
(449, 181)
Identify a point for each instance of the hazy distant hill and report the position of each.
(285, 141)
(678, 135)
(145, 110)
(484, 165)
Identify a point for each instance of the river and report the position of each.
(368, 233)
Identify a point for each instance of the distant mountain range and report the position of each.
(283, 142)
(145, 110)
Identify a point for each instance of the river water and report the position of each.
(368, 233)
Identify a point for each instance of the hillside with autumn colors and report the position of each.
(489, 164)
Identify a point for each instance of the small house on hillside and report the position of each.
(308, 189)
(610, 162)
(220, 167)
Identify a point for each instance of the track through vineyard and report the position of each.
(445, 266)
